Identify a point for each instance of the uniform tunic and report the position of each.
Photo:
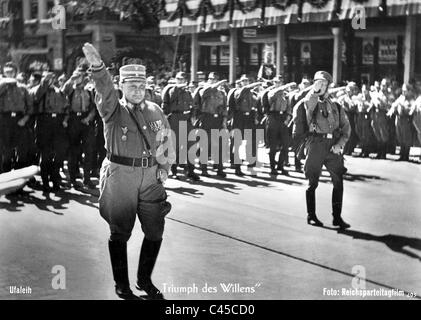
(243, 111)
(15, 103)
(403, 122)
(325, 119)
(51, 138)
(213, 112)
(278, 114)
(363, 124)
(81, 136)
(379, 123)
(127, 190)
(178, 105)
(416, 119)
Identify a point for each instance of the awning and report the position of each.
(350, 8)
(280, 14)
(194, 16)
(319, 11)
(403, 7)
(180, 19)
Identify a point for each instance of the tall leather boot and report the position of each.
(280, 166)
(118, 255)
(148, 254)
(174, 170)
(311, 208)
(337, 196)
(238, 171)
(272, 161)
(204, 168)
(45, 173)
(189, 172)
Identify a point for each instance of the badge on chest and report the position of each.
(124, 136)
(156, 125)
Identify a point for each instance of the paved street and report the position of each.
(248, 232)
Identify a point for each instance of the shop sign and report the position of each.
(368, 51)
(388, 50)
(254, 54)
(249, 33)
(224, 58)
(213, 55)
(305, 52)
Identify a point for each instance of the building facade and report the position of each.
(359, 40)
(112, 26)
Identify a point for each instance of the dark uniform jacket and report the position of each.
(118, 123)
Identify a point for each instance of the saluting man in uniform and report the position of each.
(211, 105)
(139, 155)
(16, 108)
(242, 104)
(329, 130)
(81, 126)
(278, 114)
(52, 121)
(177, 104)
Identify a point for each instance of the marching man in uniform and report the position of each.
(242, 107)
(139, 155)
(328, 131)
(177, 104)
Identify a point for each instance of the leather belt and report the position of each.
(79, 114)
(181, 112)
(143, 162)
(13, 114)
(323, 135)
(52, 115)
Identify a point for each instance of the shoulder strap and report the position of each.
(139, 127)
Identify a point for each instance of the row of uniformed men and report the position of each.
(259, 105)
(44, 122)
(380, 119)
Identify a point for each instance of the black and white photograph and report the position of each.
(210, 150)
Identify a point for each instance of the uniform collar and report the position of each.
(126, 103)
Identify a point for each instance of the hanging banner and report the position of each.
(213, 55)
(368, 51)
(224, 55)
(269, 52)
(254, 54)
(305, 52)
(388, 50)
(343, 58)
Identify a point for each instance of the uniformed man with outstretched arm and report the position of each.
(139, 155)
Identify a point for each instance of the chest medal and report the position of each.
(156, 125)
(124, 136)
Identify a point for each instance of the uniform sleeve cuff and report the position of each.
(99, 68)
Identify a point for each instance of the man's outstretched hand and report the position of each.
(92, 55)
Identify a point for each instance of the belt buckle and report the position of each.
(329, 136)
(144, 162)
(13, 114)
(186, 112)
(78, 114)
(247, 113)
(53, 115)
(215, 115)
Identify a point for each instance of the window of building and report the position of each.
(34, 9)
(3, 9)
(50, 6)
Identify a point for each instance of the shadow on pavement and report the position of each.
(362, 177)
(394, 242)
(186, 191)
(53, 203)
